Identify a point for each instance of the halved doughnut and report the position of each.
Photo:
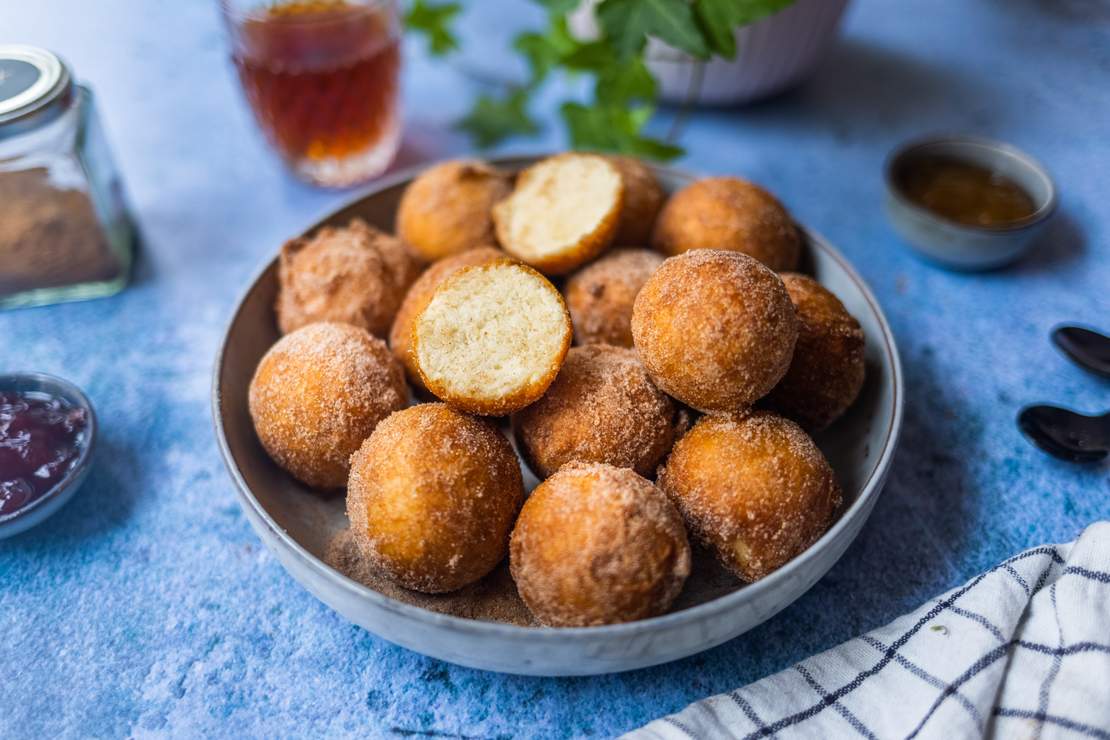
(564, 211)
(492, 338)
(421, 293)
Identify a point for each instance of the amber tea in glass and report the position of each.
(322, 79)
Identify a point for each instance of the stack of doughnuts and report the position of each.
(681, 414)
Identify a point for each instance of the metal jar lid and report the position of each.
(35, 88)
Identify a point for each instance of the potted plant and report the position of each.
(778, 48)
(638, 52)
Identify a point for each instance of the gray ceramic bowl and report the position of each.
(54, 499)
(960, 246)
(298, 525)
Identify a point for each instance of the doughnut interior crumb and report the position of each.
(490, 332)
(563, 205)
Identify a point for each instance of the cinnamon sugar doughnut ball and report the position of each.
(600, 295)
(562, 213)
(753, 487)
(601, 408)
(729, 213)
(355, 274)
(446, 209)
(492, 338)
(826, 374)
(714, 329)
(596, 545)
(421, 293)
(318, 393)
(432, 498)
(643, 197)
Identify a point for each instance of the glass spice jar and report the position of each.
(65, 233)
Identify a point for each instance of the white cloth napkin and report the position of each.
(1022, 650)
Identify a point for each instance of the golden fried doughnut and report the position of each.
(419, 295)
(355, 274)
(446, 209)
(596, 545)
(492, 338)
(600, 295)
(729, 213)
(643, 197)
(563, 212)
(318, 393)
(714, 329)
(601, 408)
(753, 487)
(433, 496)
(826, 374)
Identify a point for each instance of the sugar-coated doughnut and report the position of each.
(596, 544)
(729, 213)
(715, 329)
(318, 393)
(432, 498)
(419, 295)
(753, 487)
(446, 209)
(643, 197)
(601, 408)
(826, 373)
(563, 212)
(492, 338)
(600, 295)
(356, 274)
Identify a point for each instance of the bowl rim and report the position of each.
(552, 635)
(70, 392)
(905, 150)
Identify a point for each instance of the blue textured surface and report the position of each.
(147, 606)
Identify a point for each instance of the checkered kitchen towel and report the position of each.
(1020, 651)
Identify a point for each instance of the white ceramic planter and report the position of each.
(772, 55)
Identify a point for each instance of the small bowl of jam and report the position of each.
(968, 203)
(47, 435)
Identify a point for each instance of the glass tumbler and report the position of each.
(322, 79)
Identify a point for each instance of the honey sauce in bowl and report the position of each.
(963, 192)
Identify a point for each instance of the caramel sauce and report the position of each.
(321, 76)
(965, 193)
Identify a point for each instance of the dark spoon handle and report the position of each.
(1085, 347)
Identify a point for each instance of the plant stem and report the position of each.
(692, 92)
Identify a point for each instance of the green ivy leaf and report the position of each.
(718, 20)
(433, 20)
(492, 120)
(628, 23)
(592, 56)
(625, 82)
(614, 128)
(544, 51)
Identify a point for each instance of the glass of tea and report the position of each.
(322, 79)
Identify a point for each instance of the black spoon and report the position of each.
(1086, 347)
(1067, 434)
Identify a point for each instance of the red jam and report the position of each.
(40, 441)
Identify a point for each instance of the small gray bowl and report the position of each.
(46, 505)
(297, 524)
(960, 246)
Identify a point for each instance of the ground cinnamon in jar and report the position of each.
(49, 235)
(65, 234)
